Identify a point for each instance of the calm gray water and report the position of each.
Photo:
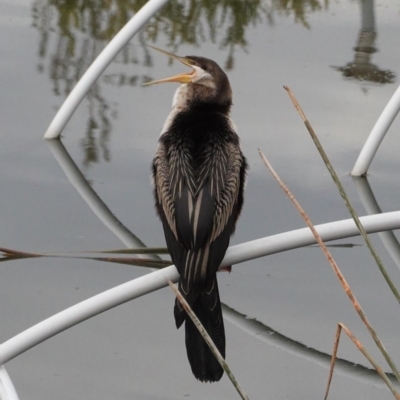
(341, 59)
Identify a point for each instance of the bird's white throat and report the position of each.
(179, 103)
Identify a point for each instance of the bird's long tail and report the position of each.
(207, 306)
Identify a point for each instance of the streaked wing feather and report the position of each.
(161, 176)
(229, 188)
(199, 201)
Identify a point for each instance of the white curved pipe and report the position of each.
(377, 134)
(156, 280)
(371, 206)
(7, 389)
(99, 65)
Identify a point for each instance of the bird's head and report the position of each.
(207, 81)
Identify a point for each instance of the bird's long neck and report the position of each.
(186, 98)
(199, 96)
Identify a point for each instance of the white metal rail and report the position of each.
(99, 65)
(377, 134)
(7, 389)
(156, 280)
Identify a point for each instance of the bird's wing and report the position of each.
(206, 199)
(229, 179)
(162, 188)
(193, 197)
(198, 205)
(186, 210)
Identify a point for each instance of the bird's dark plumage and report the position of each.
(199, 174)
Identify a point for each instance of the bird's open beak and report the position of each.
(181, 78)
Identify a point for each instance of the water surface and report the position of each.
(341, 60)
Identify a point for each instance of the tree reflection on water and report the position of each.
(72, 33)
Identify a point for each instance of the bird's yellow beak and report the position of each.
(181, 78)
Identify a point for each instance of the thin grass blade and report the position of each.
(344, 195)
(10, 255)
(11, 252)
(137, 262)
(208, 340)
(143, 250)
(339, 245)
(362, 349)
(333, 360)
(335, 267)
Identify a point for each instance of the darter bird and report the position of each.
(199, 173)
